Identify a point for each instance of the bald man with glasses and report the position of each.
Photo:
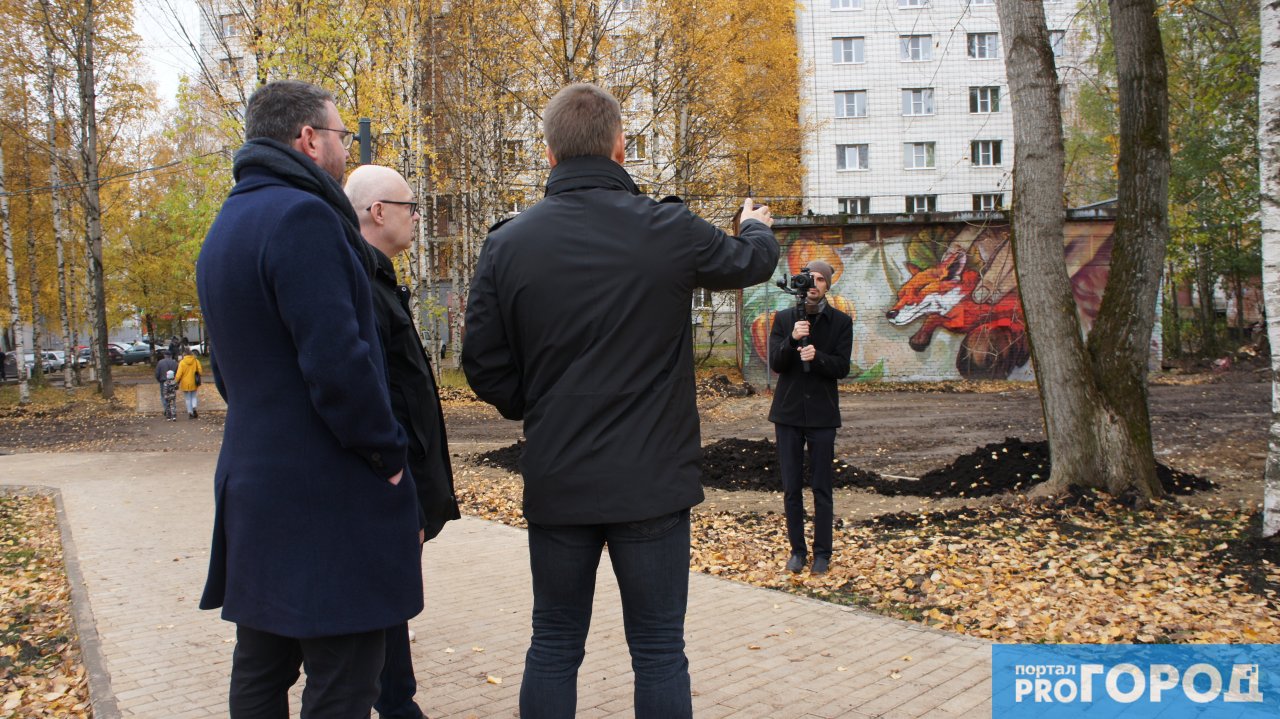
(388, 214)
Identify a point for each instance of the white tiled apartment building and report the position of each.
(907, 104)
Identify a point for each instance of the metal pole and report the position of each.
(366, 145)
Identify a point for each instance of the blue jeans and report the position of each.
(651, 562)
(822, 448)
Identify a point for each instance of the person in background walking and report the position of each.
(188, 377)
(166, 365)
(169, 396)
(3, 372)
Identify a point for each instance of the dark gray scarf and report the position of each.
(301, 172)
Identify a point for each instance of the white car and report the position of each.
(48, 363)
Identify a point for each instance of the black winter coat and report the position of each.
(578, 323)
(809, 399)
(414, 399)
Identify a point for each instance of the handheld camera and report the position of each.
(798, 286)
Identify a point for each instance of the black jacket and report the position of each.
(414, 399)
(578, 323)
(809, 399)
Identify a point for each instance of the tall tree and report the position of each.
(15, 311)
(1094, 392)
(1269, 157)
(1211, 48)
(86, 75)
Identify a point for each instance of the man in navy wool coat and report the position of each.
(315, 544)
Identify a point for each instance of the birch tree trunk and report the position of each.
(1094, 395)
(70, 372)
(15, 311)
(1269, 161)
(85, 73)
(33, 265)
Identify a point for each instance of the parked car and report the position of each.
(58, 358)
(85, 356)
(29, 359)
(137, 352)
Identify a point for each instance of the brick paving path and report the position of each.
(138, 526)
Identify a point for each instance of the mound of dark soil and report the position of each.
(733, 464)
(1009, 466)
(1014, 466)
(737, 464)
(505, 458)
(721, 386)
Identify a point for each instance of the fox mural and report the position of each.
(929, 301)
(942, 297)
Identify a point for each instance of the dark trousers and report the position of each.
(398, 682)
(342, 674)
(822, 449)
(651, 562)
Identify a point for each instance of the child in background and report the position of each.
(169, 388)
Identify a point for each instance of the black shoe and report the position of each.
(820, 565)
(195, 414)
(796, 563)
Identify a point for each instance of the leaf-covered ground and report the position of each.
(41, 674)
(1082, 569)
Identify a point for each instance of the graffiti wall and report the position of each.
(928, 301)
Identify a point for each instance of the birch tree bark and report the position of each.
(70, 372)
(15, 311)
(85, 74)
(1094, 393)
(1269, 170)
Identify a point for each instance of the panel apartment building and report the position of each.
(907, 104)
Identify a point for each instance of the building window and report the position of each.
(846, 4)
(915, 48)
(985, 153)
(852, 157)
(855, 205)
(978, 3)
(917, 101)
(229, 25)
(984, 45)
(984, 99)
(511, 151)
(636, 148)
(913, 3)
(918, 155)
(922, 203)
(1058, 41)
(846, 50)
(231, 68)
(991, 202)
(851, 103)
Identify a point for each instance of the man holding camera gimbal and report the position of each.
(809, 348)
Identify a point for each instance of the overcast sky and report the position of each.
(165, 50)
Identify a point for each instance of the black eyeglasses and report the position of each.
(413, 206)
(347, 136)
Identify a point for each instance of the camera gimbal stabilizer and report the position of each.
(798, 286)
